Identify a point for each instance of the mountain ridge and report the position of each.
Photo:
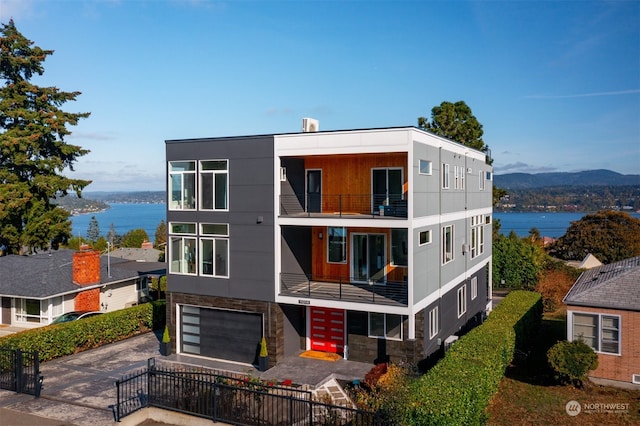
(554, 179)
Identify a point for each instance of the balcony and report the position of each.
(343, 289)
(344, 205)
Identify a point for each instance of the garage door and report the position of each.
(221, 334)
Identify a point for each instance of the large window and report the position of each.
(388, 326)
(477, 235)
(37, 311)
(214, 185)
(601, 332)
(182, 248)
(399, 247)
(214, 249)
(434, 322)
(447, 244)
(462, 300)
(337, 245)
(182, 185)
(203, 251)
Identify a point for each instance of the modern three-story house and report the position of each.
(373, 244)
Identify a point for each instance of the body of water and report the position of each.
(126, 217)
(549, 224)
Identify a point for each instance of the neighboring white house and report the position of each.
(36, 289)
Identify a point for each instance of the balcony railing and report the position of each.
(344, 289)
(350, 205)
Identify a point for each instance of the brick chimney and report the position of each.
(86, 271)
(147, 244)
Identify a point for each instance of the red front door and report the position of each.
(327, 329)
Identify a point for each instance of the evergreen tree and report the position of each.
(456, 122)
(161, 235)
(33, 152)
(93, 230)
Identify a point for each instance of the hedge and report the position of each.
(57, 340)
(457, 390)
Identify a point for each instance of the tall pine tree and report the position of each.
(33, 152)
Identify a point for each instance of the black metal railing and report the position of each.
(234, 400)
(378, 291)
(344, 205)
(20, 371)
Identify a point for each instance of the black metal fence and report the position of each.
(233, 400)
(20, 371)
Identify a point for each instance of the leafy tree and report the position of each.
(33, 152)
(455, 121)
(93, 230)
(608, 235)
(134, 238)
(516, 262)
(161, 235)
(498, 193)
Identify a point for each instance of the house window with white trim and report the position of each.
(447, 244)
(474, 287)
(214, 185)
(214, 249)
(477, 236)
(445, 176)
(32, 310)
(462, 300)
(601, 332)
(424, 167)
(424, 237)
(434, 322)
(337, 244)
(182, 248)
(482, 176)
(182, 185)
(388, 326)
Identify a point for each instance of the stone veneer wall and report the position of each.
(363, 348)
(272, 314)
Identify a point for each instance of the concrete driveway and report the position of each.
(80, 389)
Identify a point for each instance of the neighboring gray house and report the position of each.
(36, 289)
(373, 244)
(603, 310)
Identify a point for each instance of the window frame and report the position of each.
(429, 239)
(404, 249)
(482, 179)
(214, 238)
(462, 300)
(204, 172)
(445, 176)
(343, 248)
(446, 259)
(182, 173)
(385, 326)
(598, 331)
(476, 247)
(474, 288)
(429, 165)
(434, 322)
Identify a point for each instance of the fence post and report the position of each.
(117, 400)
(19, 372)
(37, 378)
(311, 412)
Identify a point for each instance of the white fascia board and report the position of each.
(349, 306)
(448, 145)
(349, 142)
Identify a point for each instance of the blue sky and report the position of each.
(555, 84)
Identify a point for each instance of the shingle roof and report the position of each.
(45, 275)
(614, 286)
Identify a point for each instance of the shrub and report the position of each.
(458, 389)
(54, 341)
(571, 361)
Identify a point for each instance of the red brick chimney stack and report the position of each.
(86, 271)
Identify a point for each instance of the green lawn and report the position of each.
(529, 395)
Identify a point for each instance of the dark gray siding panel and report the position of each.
(250, 216)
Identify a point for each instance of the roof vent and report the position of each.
(310, 125)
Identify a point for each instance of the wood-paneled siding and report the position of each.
(324, 271)
(346, 178)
